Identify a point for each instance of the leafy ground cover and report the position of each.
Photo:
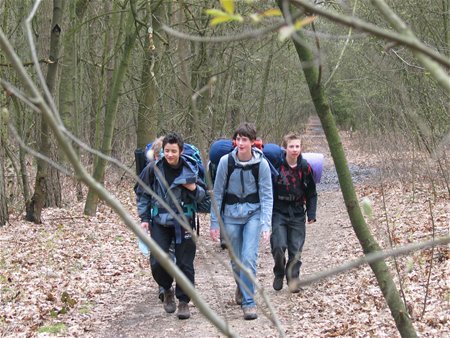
(77, 276)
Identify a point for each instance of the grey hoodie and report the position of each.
(243, 210)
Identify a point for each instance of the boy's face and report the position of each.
(293, 148)
(243, 143)
(172, 153)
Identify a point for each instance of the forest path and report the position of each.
(312, 312)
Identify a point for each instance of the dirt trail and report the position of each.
(321, 309)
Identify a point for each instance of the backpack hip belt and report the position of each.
(289, 198)
(233, 199)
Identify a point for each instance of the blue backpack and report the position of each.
(272, 152)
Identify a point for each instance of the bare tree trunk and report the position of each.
(110, 115)
(69, 78)
(147, 119)
(265, 81)
(21, 127)
(362, 231)
(47, 190)
(3, 200)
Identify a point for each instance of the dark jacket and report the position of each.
(150, 209)
(295, 188)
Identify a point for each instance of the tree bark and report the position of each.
(3, 200)
(362, 231)
(147, 119)
(110, 115)
(47, 192)
(69, 78)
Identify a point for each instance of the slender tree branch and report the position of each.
(31, 63)
(36, 153)
(374, 257)
(426, 59)
(406, 62)
(341, 55)
(361, 25)
(427, 287)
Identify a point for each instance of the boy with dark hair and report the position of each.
(246, 210)
(180, 177)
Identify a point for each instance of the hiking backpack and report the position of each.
(272, 152)
(190, 153)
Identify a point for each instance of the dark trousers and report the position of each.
(288, 232)
(184, 256)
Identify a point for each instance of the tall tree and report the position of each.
(47, 189)
(69, 75)
(147, 118)
(130, 32)
(362, 231)
(3, 200)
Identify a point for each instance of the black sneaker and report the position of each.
(169, 301)
(183, 311)
(278, 283)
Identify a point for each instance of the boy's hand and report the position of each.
(265, 236)
(145, 226)
(215, 234)
(190, 186)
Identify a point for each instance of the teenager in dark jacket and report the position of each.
(294, 196)
(180, 177)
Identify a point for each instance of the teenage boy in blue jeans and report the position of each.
(245, 204)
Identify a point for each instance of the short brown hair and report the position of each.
(289, 137)
(246, 129)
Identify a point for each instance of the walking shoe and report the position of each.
(250, 313)
(238, 296)
(169, 301)
(294, 285)
(161, 294)
(183, 311)
(278, 283)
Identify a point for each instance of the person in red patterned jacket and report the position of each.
(294, 196)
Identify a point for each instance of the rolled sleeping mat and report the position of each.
(315, 160)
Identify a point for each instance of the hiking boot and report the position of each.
(161, 294)
(278, 283)
(238, 296)
(169, 301)
(294, 285)
(183, 311)
(250, 313)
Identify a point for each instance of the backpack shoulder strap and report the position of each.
(255, 172)
(304, 170)
(230, 169)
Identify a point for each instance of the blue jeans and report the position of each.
(244, 234)
(288, 232)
